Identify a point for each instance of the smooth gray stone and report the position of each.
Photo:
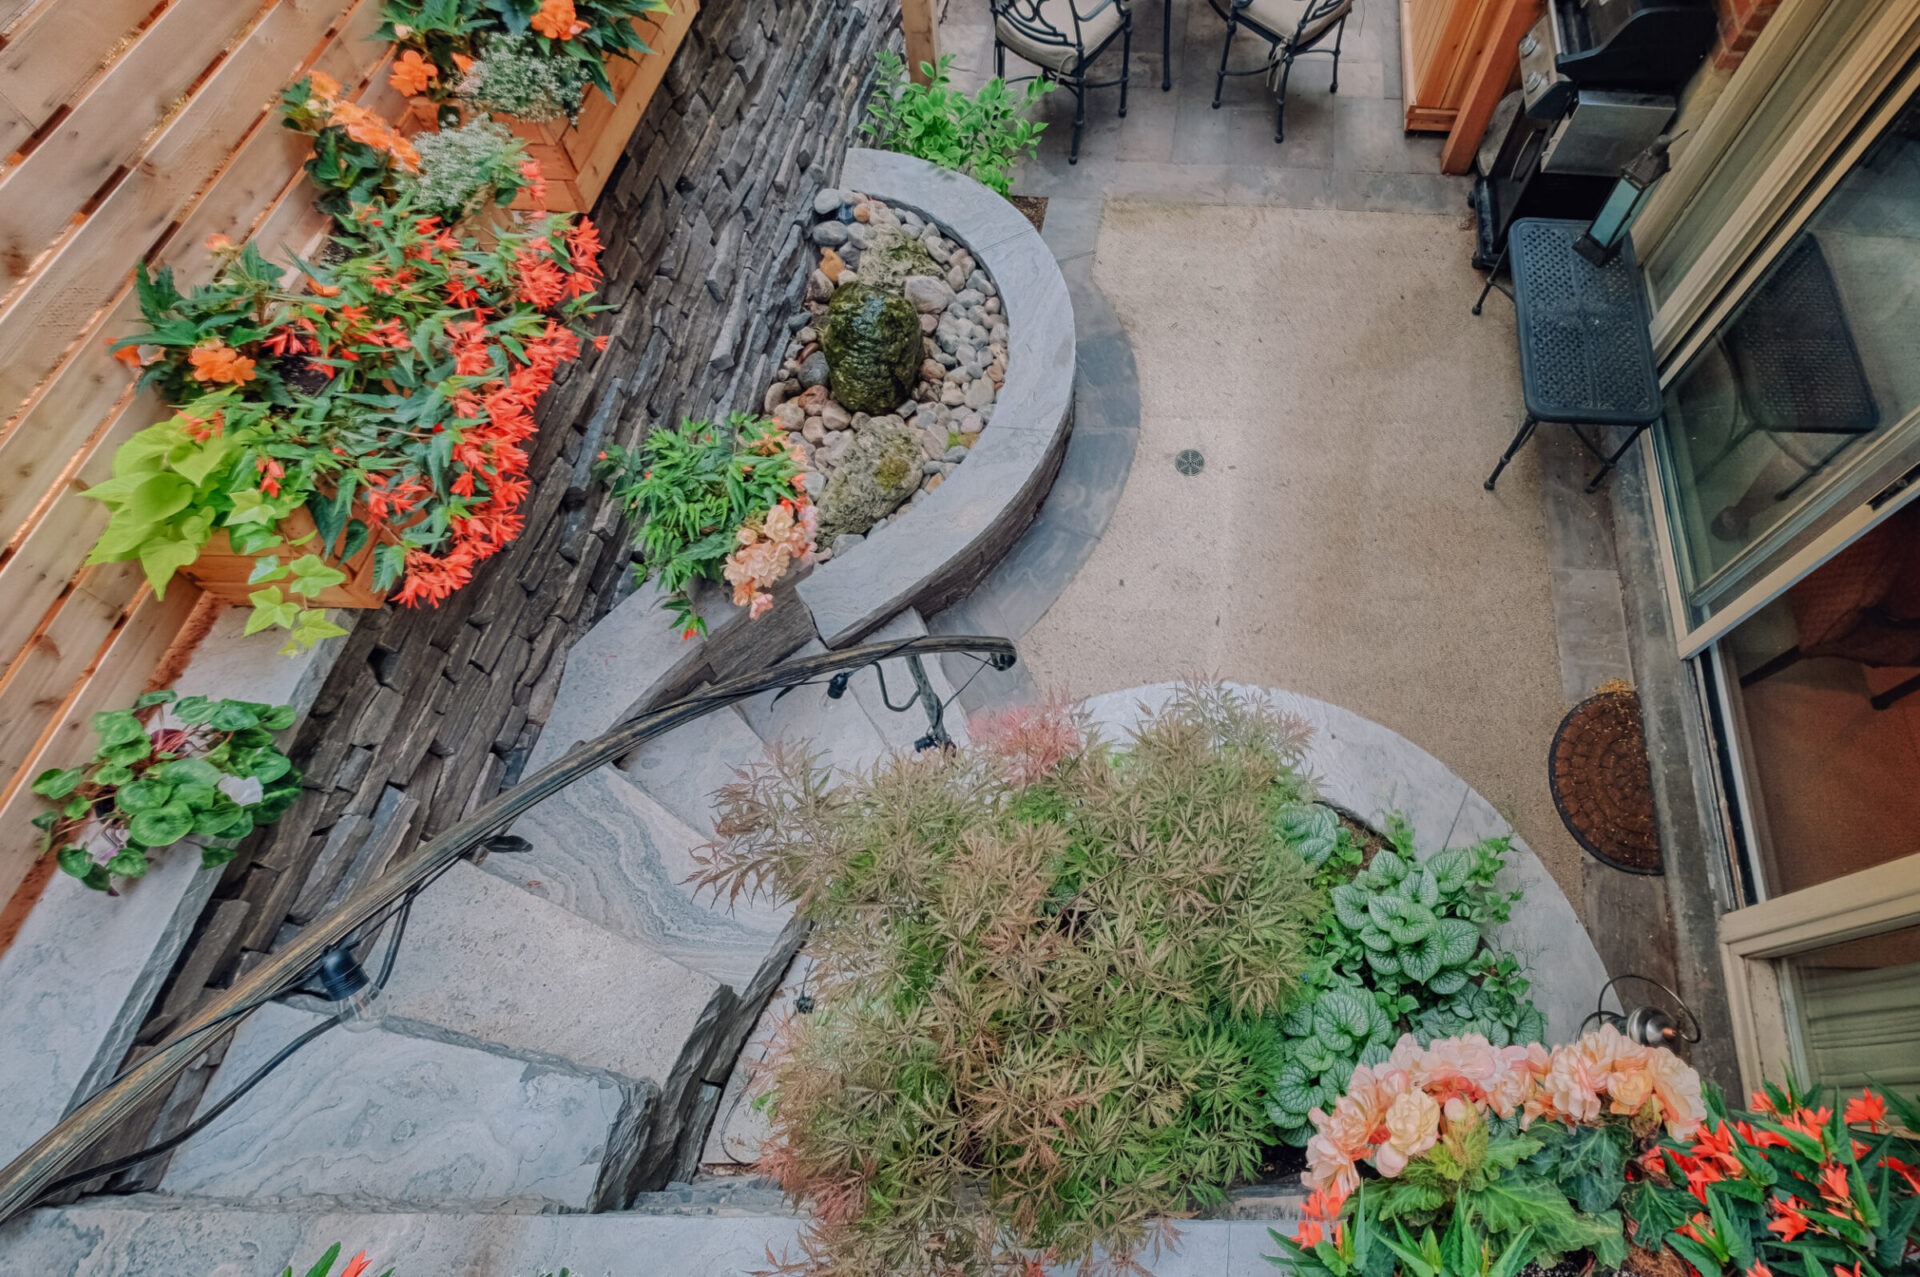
(838, 730)
(616, 665)
(827, 201)
(389, 1117)
(141, 1236)
(1371, 773)
(830, 234)
(684, 769)
(491, 964)
(901, 730)
(605, 850)
(81, 975)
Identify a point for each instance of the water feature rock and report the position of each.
(891, 255)
(877, 471)
(872, 344)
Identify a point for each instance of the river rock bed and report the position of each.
(866, 468)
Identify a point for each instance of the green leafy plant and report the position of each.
(208, 768)
(389, 394)
(1043, 967)
(1319, 1042)
(693, 491)
(448, 35)
(356, 154)
(513, 77)
(1409, 925)
(465, 171)
(979, 135)
(1790, 1187)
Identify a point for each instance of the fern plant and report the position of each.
(980, 136)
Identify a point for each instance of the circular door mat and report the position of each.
(1601, 786)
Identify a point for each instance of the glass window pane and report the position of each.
(1858, 1007)
(1774, 423)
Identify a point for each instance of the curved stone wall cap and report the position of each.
(1371, 772)
(957, 531)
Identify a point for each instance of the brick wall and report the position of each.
(1741, 22)
(429, 712)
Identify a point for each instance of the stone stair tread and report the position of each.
(386, 1116)
(683, 769)
(839, 730)
(739, 1127)
(901, 729)
(112, 1237)
(607, 851)
(487, 961)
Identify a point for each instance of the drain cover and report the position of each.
(1189, 462)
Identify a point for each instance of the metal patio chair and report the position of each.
(1292, 29)
(1063, 39)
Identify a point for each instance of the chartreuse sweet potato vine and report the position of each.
(1044, 968)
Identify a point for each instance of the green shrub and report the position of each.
(1045, 968)
(214, 771)
(980, 136)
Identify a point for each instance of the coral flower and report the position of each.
(556, 20)
(1759, 1270)
(217, 362)
(356, 1265)
(1787, 1221)
(1869, 1107)
(412, 74)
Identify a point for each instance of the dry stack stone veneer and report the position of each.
(430, 711)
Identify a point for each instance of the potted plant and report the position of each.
(715, 503)
(167, 769)
(364, 430)
(535, 66)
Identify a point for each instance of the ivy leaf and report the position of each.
(313, 574)
(266, 569)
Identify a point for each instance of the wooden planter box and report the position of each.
(222, 573)
(576, 159)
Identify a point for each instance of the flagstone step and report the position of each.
(142, 1235)
(685, 768)
(410, 1123)
(901, 729)
(839, 731)
(607, 851)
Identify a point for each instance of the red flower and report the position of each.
(542, 283)
(273, 472)
(1869, 1107)
(1834, 1186)
(1788, 1221)
(356, 1265)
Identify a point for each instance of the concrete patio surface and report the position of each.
(1298, 313)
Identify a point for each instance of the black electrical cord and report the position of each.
(398, 915)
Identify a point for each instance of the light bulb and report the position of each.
(355, 998)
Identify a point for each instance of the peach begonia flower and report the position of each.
(557, 21)
(1413, 1127)
(1677, 1086)
(412, 74)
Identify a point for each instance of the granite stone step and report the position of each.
(605, 850)
(485, 963)
(900, 729)
(409, 1123)
(111, 1237)
(683, 769)
(839, 731)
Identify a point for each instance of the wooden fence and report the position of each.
(132, 130)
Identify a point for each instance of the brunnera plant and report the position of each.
(1043, 966)
(204, 767)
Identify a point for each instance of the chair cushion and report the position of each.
(1282, 18)
(1062, 58)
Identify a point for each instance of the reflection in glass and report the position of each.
(1819, 360)
(1858, 1005)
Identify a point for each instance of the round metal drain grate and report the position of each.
(1189, 462)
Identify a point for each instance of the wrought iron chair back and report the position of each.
(1317, 20)
(1028, 19)
(1063, 38)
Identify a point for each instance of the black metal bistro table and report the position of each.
(1586, 345)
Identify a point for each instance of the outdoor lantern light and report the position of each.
(353, 995)
(1647, 1025)
(1601, 241)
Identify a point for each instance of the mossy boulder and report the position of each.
(879, 470)
(872, 341)
(891, 255)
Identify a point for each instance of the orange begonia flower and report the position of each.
(463, 62)
(128, 355)
(556, 20)
(1869, 1107)
(413, 74)
(356, 1265)
(220, 362)
(1788, 1221)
